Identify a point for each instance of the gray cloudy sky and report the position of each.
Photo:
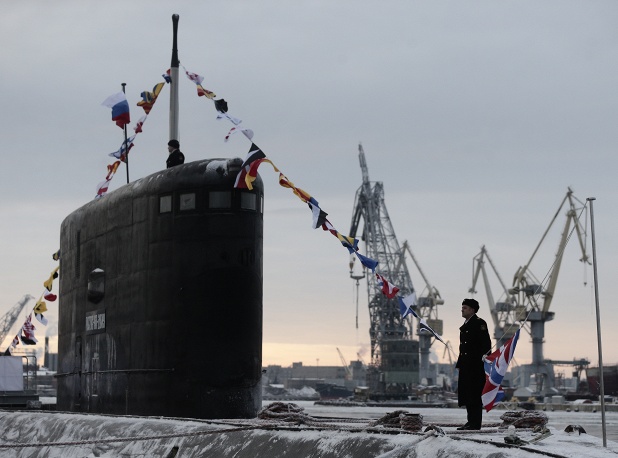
(475, 115)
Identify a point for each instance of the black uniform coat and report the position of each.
(474, 342)
(175, 158)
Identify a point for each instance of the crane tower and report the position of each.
(534, 298)
(394, 353)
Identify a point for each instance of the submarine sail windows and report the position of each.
(220, 199)
(248, 201)
(187, 201)
(165, 204)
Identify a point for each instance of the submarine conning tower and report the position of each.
(160, 309)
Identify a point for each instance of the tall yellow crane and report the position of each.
(528, 300)
(533, 299)
(503, 311)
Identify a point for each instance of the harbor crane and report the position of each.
(529, 291)
(9, 318)
(527, 302)
(394, 353)
(503, 313)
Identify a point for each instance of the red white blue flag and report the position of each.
(496, 366)
(124, 149)
(388, 289)
(120, 108)
(197, 79)
(140, 124)
(27, 338)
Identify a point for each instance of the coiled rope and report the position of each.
(524, 418)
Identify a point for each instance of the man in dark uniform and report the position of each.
(474, 342)
(175, 156)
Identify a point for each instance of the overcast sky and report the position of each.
(477, 116)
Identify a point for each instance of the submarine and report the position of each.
(160, 309)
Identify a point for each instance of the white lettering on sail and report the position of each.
(95, 322)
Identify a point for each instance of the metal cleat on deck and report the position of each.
(512, 438)
(574, 428)
(543, 434)
(437, 430)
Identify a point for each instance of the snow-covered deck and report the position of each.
(56, 434)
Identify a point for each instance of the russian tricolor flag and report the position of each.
(120, 108)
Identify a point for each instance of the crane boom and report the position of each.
(348, 372)
(9, 318)
(503, 314)
(427, 306)
(523, 281)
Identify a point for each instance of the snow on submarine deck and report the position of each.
(59, 434)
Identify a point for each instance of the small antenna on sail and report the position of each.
(174, 83)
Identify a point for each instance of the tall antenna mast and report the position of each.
(174, 84)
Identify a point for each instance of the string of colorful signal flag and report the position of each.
(121, 116)
(247, 175)
(26, 333)
(496, 363)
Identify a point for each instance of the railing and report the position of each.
(30, 373)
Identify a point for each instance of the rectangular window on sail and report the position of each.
(187, 201)
(248, 201)
(220, 199)
(165, 204)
